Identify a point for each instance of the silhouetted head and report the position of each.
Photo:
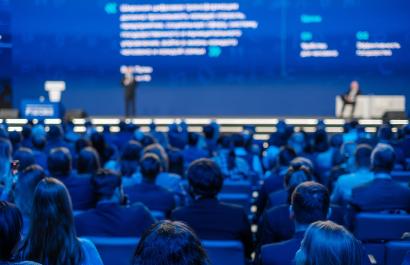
(25, 157)
(88, 161)
(161, 153)
(170, 243)
(205, 178)
(59, 162)
(130, 157)
(108, 185)
(328, 243)
(310, 202)
(26, 184)
(362, 155)
(383, 158)
(150, 167)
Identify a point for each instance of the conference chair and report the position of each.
(396, 251)
(115, 250)
(375, 229)
(401, 176)
(224, 252)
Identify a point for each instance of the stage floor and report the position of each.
(263, 125)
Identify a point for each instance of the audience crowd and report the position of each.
(59, 187)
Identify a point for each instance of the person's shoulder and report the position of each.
(87, 244)
(25, 263)
(229, 208)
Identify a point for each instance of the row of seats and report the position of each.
(118, 251)
(381, 234)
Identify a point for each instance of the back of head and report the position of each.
(310, 202)
(106, 183)
(25, 157)
(383, 158)
(51, 238)
(176, 161)
(59, 162)
(132, 151)
(130, 157)
(205, 178)
(385, 133)
(161, 153)
(362, 155)
(25, 187)
(150, 167)
(88, 161)
(11, 223)
(286, 155)
(170, 243)
(193, 139)
(55, 132)
(80, 144)
(296, 174)
(328, 243)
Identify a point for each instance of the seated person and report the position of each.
(310, 203)
(185, 247)
(275, 180)
(112, 217)
(88, 162)
(165, 179)
(296, 174)
(52, 238)
(155, 197)
(80, 188)
(346, 183)
(11, 223)
(382, 193)
(207, 216)
(24, 192)
(192, 152)
(328, 243)
(25, 157)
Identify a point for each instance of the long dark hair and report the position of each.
(52, 238)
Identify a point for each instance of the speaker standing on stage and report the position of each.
(130, 85)
(350, 97)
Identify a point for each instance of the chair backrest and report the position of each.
(396, 251)
(380, 226)
(240, 186)
(115, 251)
(402, 176)
(241, 199)
(225, 252)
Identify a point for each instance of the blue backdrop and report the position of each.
(79, 41)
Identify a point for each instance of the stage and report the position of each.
(263, 125)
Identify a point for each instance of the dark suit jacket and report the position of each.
(277, 198)
(380, 195)
(271, 184)
(282, 253)
(81, 191)
(276, 225)
(114, 220)
(214, 220)
(153, 196)
(129, 89)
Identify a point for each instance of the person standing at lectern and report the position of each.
(130, 85)
(350, 97)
